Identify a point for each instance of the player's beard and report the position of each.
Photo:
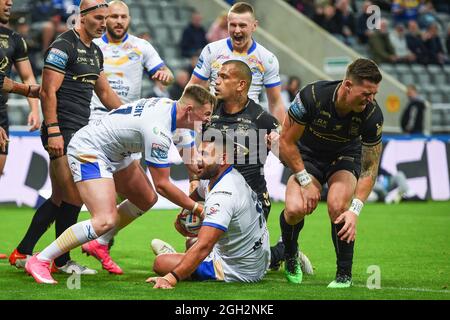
(114, 34)
(209, 172)
(4, 19)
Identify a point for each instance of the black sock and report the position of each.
(276, 255)
(344, 251)
(42, 220)
(67, 217)
(290, 235)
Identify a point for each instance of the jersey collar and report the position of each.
(174, 116)
(221, 177)
(252, 48)
(105, 38)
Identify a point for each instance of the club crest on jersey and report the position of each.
(214, 209)
(4, 43)
(133, 56)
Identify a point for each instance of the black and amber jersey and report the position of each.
(81, 66)
(326, 134)
(13, 49)
(249, 128)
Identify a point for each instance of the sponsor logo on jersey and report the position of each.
(159, 151)
(297, 109)
(226, 193)
(57, 58)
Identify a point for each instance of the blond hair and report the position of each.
(199, 94)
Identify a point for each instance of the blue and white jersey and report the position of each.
(263, 63)
(144, 125)
(233, 207)
(124, 65)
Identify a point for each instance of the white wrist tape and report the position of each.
(195, 207)
(303, 178)
(356, 206)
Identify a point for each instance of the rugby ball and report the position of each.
(190, 222)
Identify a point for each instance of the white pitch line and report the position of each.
(382, 288)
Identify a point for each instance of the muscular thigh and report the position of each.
(341, 187)
(99, 195)
(132, 183)
(64, 181)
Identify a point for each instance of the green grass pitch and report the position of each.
(409, 243)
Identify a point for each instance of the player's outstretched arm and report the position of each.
(106, 94)
(27, 90)
(196, 80)
(3, 139)
(276, 104)
(164, 75)
(51, 82)
(26, 74)
(370, 159)
(289, 153)
(171, 192)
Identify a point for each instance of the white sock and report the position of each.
(105, 238)
(128, 212)
(73, 237)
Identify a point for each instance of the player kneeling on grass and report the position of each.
(99, 158)
(233, 241)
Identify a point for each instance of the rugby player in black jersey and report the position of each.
(73, 69)
(13, 50)
(253, 129)
(332, 135)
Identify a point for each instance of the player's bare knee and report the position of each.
(294, 214)
(336, 208)
(151, 201)
(105, 224)
(158, 265)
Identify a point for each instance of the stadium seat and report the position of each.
(423, 78)
(169, 12)
(402, 68)
(171, 51)
(177, 32)
(436, 97)
(135, 13)
(162, 34)
(388, 68)
(418, 69)
(185, 14)
(407, 78)
(153, 15)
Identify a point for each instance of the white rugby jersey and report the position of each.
(146, 124)
(262, 62)
(232, 206)
(124, 65)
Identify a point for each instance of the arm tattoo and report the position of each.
(370, 161)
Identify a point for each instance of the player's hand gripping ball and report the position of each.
(188, 223)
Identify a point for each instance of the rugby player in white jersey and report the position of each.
(241, 46)
(126, 58)
(98, 156)
(233, 241)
